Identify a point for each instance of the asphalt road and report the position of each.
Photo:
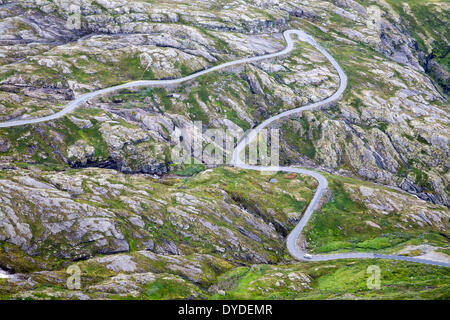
(291, 243)
(145, 83)
(292, 246)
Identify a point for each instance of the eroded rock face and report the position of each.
(75, 215)
(391, 127)
(4, 145)
(48, 213)
(399, 139)
(412, 211)
(219, 280)
(140, 274)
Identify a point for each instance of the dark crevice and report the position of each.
(258, 212)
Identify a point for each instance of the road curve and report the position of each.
(145, 83)
(292, 238)
(292, 246)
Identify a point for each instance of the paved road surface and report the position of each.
(292, 246)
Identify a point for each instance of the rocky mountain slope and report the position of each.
(100, 185)
(145, 275)
(76, 214)
(391, 126)
(193, 230)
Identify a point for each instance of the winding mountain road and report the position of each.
(292, 238)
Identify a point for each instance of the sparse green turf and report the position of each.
(190, 170)
(166, 289)
(343, 279)
(340, 226)
(301, 139)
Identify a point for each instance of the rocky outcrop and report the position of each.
(78, 214)
(65, 200)
(386, 137)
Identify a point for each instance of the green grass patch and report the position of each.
(341, 226)
(166, 289)
(189, 170)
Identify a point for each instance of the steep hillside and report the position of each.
(100, 189)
